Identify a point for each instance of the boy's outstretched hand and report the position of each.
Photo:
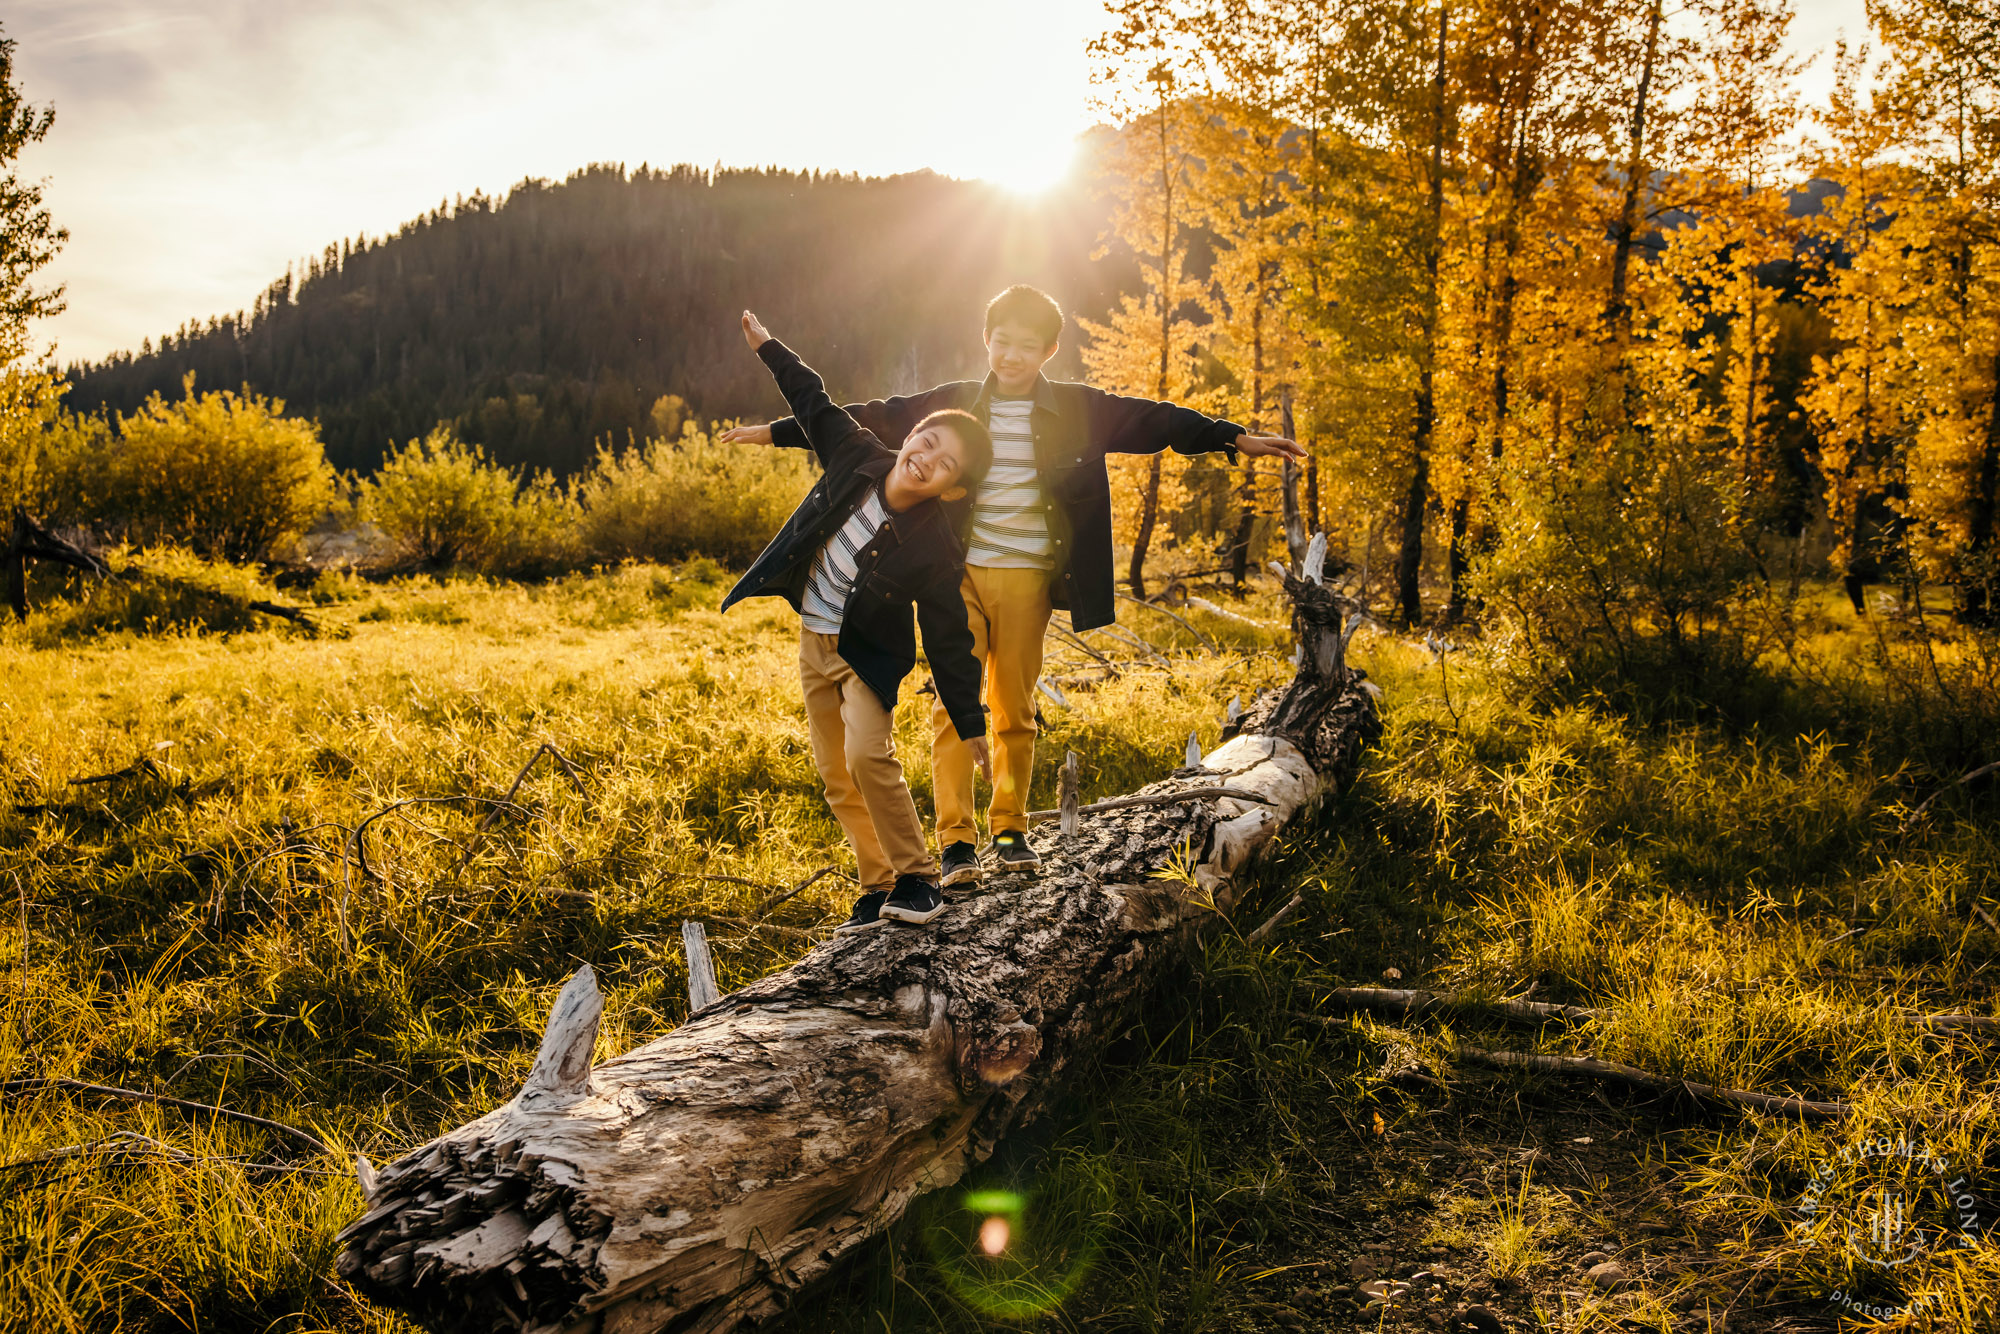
(1255, 445)
(747, 435)
(754, 332)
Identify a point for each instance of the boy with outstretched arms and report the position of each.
(1040, 539)
(870, 539)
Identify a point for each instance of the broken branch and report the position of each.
(1275, 920)
(38, 1084)
(1591, 1068)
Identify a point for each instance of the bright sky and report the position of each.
(200, 145)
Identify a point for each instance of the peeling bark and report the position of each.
(702, 1180)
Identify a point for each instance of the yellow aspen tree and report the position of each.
(1535, 114)
(1869, 233)
(1943, 81)
(1394, 88)
(1146, 345)
(1379, 101)
(1250, 161)
(1740, 133)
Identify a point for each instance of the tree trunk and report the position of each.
(1246, 523)
(1142, 540)
(1312, 491)
(16, 560)
(1975, 595)
(1410, 557)
(1617, 313)
(1458, 560)
(1149, 510)
(708, 1177)
(1296, 535)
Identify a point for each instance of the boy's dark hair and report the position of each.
(1022, 304)
(971, 433)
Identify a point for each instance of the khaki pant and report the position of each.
(854, 748)
(1008, 613)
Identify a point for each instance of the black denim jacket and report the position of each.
(916, 558)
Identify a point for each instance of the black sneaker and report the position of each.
(915, 899)
(961, 865)
(867, 913)
(1013, 851)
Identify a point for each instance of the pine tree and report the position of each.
(29, 238)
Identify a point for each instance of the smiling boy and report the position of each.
(869, 540)
(1040, 539)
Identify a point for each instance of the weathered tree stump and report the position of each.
(701, 1181)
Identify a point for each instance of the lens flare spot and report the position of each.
(994, 1235)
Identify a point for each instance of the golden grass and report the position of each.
(1744, 906)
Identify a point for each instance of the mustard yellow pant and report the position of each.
(854, 749)
(1008, 613)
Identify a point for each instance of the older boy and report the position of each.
(1041, 538)
(869, 540)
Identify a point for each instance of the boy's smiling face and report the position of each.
(930, 463)
(1016, 354)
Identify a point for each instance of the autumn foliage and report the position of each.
(1594, 326)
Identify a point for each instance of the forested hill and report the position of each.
(558, 316)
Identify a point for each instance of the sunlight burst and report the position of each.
(1025, 170)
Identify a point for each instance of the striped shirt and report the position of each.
(1010, 524)
(832, 577)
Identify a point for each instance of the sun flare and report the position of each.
(1026, 172)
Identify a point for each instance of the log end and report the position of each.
(562, 1067)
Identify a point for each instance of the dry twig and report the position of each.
(1591, 1068)
(1275, 920)
(1182, 621)
(574, 774)
(35, 1085)
(1416, 1004)
(1924, 806)
(794, 891)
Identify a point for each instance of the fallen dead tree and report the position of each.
(704, 1179)
(30, 541)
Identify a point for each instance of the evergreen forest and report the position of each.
(555, 318)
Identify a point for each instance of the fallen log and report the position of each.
(705, 1179)
(31, 541)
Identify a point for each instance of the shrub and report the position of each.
(667, 500)
(30, 411)
(443, 503)
(1633, 575)
(227, 474)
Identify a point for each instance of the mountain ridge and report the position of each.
(554, 318)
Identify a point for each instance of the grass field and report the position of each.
(1745, 906)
